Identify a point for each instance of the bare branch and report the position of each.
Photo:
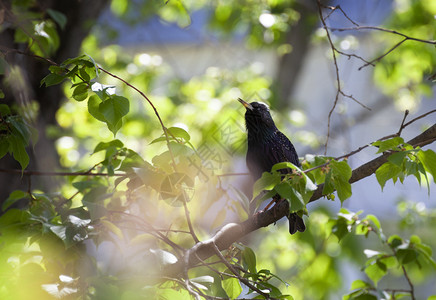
(375, 28)
(406, 113)
(431, 42)
(419, 117)
(339, 90)
(383, 55)
(338, 7)
(338, 81)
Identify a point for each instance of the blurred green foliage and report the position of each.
(404, 73)
(109, 235)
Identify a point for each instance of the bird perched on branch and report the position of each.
(267, 146)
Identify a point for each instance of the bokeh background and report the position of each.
(193, 59)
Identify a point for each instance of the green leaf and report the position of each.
(113, 228)
(391, 144)
(376, 271)
(398, 158)
(4, 110)
(4, 146)
(433, 297)
(173, 131)
(249, 257)
(52, 79)
(266, 183)
(179, 132)
(341, 174)
(428, 160)
(426, 252)
(364, 296)
(86, 73)
(83, 185)
(340, 228)
(20, 129)
(168, 294)
(80, 92)
(232, 287)
(328, 184)
(359, 284)
(73, 60)
(395, 241)
(58, 17)
(113, 109)
(93, 108)
(14, 197)
(414, 239)
(283, 165)
(361, 229)
(103, 146)
(385, 172)
(374, 220)
(296, 202)
(176, 189)
(285, 190)
(406, 256)
(18, 148)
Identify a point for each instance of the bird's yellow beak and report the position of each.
(246, 104)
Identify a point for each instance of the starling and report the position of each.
(267, 146)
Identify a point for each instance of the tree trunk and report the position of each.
(290, 64)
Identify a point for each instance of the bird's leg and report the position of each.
(274, 200)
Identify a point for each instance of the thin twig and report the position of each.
(377, 59)
(419, 117)
(43, 173)
(406, 113)
(339, 90)
(6, 51)
(187, 286)
(355, 56)
(178, 249)
(188, 220)
(165, 130)
(354, 99)
(432, 42)
(375, 28)
(412, 288)
(338, 7)
(338, 81)
(234, 271)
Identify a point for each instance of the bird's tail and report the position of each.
(296, 223)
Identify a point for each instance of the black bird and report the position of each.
(267, 146)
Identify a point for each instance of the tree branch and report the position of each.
(233, 232)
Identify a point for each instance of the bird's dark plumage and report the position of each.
(267, 146)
